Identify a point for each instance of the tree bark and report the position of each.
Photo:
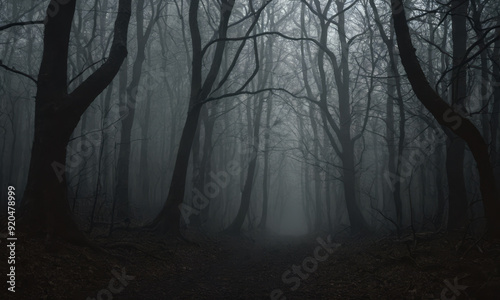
(128, 116)
(393, 93)
(448, 117)
(246, 194)
(45, 207)
(169, 217)
(455, 146)
(266, 176)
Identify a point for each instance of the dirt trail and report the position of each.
(245, 268)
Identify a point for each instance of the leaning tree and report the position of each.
(448, 117)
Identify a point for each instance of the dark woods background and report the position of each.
(285, 117)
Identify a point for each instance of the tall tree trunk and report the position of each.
(455, 147)
(169, 217)
(201, 165)
(128, 116)
(393, 93)
(266, 175)
(358, 223)
(449, 118)
(120, 187)
(45, 207)
(495, 116)
(246, 194)
(342, 131)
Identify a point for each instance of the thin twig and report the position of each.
(13, 70)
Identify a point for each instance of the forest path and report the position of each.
(368, 268)
(148, 267)
(229, 268)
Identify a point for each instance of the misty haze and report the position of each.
(250, 149)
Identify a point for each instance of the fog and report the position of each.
(275, 123)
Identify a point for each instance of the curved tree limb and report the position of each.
(448, 117)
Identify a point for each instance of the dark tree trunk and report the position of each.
(342, 78)
(202, 165)
(393, 93)
(449, 118)
(457, 193)
(128, 113)
(495, 116)
(358, 223)
(246, 194)
(455, 147)
(438, 220)
(45, 207)
(169, 217)
(168, 220)
(120, 187)
(266, 176)
(144, 170)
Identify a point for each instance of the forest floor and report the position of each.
(138, 265)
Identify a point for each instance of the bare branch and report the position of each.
(13, 70)
(83, 71)
(229, 95)
(20, 24)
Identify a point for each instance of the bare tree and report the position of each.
(45, 205)
(448, 117)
